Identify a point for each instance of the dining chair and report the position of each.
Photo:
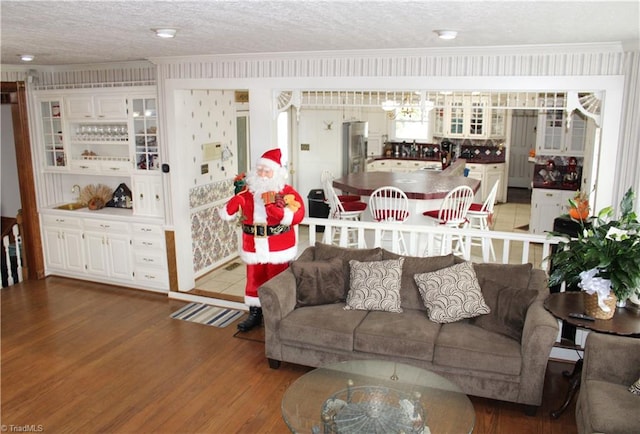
(453, 213)
(390, 204)
(327, 176)
(479, 217)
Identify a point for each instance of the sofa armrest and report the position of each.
(538, 337)
(277, 297)
(610, 358)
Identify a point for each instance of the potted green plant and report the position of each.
(605, 257)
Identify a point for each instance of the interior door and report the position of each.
(523, 138)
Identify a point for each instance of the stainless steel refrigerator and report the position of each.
(354, 146)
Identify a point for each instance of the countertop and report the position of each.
(420, 184)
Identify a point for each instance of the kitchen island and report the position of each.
(425, 188)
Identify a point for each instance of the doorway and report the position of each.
(14, 94)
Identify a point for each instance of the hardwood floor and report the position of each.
(84, 357)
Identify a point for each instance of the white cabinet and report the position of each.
(150, 258)
(51, 131)
(559, 134)
(469, 117)
(488, 174)
(108, 246)
(147, 195)
(546, 205)
(403, 166)
(96, 107)
(63, 243)
(126, 253)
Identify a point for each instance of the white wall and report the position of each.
(10, 190)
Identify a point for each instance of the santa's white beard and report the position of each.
(258, 185)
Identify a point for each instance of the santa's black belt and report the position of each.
(262, 230)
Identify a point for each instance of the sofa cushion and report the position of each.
(635, 387)
(409, 293)
(463, 345)
(409, 335)
(375, 285)
(324, 252)
(611, 408)
(326, 325)
(318, 282)
(452, 293)
(510, 275)
(508, 308)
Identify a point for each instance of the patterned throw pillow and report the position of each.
(375, 285)
(452, 293)
(635, 388)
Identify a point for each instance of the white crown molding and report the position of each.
(604, 47)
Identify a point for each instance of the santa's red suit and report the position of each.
(268, 237)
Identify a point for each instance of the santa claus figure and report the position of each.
(268, 209)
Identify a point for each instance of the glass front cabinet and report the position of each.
(52, 133)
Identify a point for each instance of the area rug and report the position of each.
(207, 315)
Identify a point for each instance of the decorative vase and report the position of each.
(621, 303)
(592, 308)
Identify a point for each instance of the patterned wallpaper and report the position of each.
(209, 117)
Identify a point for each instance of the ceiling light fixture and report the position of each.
(447, 34)
(27, 57)
(166, 33)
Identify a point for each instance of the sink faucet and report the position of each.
(76, 190)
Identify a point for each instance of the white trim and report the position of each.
(207, 300)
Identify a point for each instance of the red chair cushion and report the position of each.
(476, 207)
(354, 206)
(348, 198)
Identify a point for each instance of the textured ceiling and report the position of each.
(76, 32)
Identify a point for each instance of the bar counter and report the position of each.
(425, 189)
(419, 184)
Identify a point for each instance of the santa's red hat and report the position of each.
(271, 158)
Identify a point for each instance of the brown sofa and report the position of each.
(475, 353)
(605, 405)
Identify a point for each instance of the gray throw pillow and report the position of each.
(508, 308)
(375, 285)
(324, 252)
(318, 282)
(452, 293)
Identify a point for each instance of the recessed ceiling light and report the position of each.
(165, 33)
(447, 34)
(27, 57)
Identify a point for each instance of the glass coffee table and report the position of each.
(374, 396)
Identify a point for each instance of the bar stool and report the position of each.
(390, 204)
(453, 213)
(479, 217)
(342, 210)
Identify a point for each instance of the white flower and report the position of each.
(616, 234)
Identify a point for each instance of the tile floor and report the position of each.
(227, 282)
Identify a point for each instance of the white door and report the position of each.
(523, 138)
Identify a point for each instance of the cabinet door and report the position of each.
(52, 134)
(148, 196)
(476, 118)
(53, 248)
(497, 124)
(493, 173)
(455, 119)
(73, 244)
(118, 251)
(79, 107)
(110, 107)
(546, 205)
(145, 128)
(96, 253)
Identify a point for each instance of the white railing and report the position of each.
(424, 240)
(13, 249)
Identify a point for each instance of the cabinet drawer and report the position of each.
(147, 230)
(106, 226)
(151, 243)
(88, 165)
(115, 166)
(54, 220)
(150, 259)
(151, 276)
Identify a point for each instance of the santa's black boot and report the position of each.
(254, 319)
